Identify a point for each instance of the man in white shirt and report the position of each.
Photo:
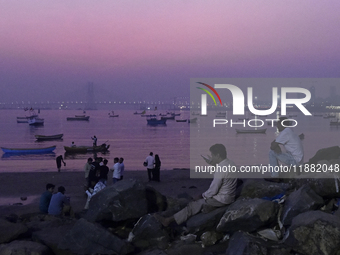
(292, 144)
(150, 160)
(116, 170)
(220, 193)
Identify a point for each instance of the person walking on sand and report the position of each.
(292, 144)
(116, 171)
(221, 192)
(150, 162)
(46, 198)
(58, 160)
(94, 138)
(156, 171)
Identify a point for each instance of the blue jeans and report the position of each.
(285, 158)
(114, 180)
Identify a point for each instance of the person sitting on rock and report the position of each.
(46, 198)
(90, 193)
(60, 204)
(220, 193)
(292, 144)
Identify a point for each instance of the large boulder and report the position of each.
(124, 200)
(52, 236)
(205, 221)
(244, 244)
(24, 248)
(248, 215)
(258, 188)
(325, 154)
(314, 233)
(302, 200)
(10, 231)
(148, 232)
(156, 202)
(91, 238)
(324, 187)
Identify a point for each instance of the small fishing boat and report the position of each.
(149, 115)
(84, 149)
(251, 131)
(334, 122)
(78, 117)
(181, 120)
(194, 120)
(172, 117)
(35, 121)
(112, 114)
(329, 116)
(20, 120)
(155, 121)
(139, 112)
(48, 137)
(28, 150)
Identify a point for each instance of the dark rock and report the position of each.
(260, 188)
(24, 248)
(156, 201)
(52, 236)
(153, 252)
(124, 200)
(324, 187)
(10, 231)
(148, 232)
(186, 196)
(244, 244)
(205, 221)
(185, 249)
(43, 221)
(314, 233)
(302, 200)
(91, 238)
(192, 187)
(209, 238)
(248, 215)
(325, 154)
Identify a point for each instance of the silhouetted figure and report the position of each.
(58, 160)
(156, 170)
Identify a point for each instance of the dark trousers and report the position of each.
(150, 173)
(156, 174)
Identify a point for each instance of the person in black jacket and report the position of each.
(156, 170)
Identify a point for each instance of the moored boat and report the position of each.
(194, 120)
(181, 120)
(139, 112)
(115, 115)
(48, 137)
(155, 121)
(172, 117)
(251, 131)
(78, 117)
(84, 149)
(35, 121)
(28, 150)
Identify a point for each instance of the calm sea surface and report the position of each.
(131, 138)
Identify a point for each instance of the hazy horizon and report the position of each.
(149, 50)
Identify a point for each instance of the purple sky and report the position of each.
(149, 50)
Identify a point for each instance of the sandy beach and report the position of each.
(17, 186)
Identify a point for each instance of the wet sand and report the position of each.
(15, 186)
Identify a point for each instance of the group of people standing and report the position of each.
(153, 165)
(97, 170)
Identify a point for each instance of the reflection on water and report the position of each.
(28, 156)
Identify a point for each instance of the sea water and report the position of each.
(130, 137)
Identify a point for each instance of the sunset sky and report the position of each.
(149, 50)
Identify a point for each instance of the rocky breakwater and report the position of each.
(297, 216)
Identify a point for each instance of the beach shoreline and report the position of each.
(20, 192)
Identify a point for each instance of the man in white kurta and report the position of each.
(220, 193)
(292, 144)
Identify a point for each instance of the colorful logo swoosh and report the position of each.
(208, 92)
